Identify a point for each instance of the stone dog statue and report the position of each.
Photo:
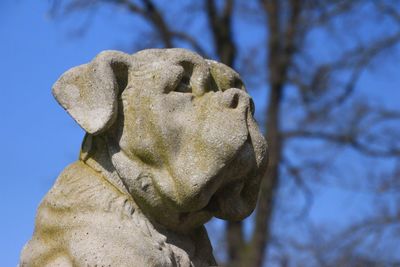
(170, 142)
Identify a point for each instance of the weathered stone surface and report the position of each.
(171, 141)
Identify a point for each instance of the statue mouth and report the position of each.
(229, 201)
(234, 188)
(237, 198)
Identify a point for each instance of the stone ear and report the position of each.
(89, 92)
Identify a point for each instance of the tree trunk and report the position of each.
(269, 185)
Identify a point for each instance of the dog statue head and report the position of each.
(179, 131)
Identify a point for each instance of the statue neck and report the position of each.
(97, 154)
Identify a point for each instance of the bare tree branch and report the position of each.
(150, 12)
(388, 10)
(190, 40)
(343, 139)
(354, 61)
(221, 28)
(295, 173)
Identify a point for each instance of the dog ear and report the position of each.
(89, 92)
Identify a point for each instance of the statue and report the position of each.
(170, 142)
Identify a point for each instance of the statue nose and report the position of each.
(235, 98)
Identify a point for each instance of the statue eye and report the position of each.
(184, 86)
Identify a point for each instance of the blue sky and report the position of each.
(38, 139)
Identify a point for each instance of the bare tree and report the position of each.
(316, 111)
